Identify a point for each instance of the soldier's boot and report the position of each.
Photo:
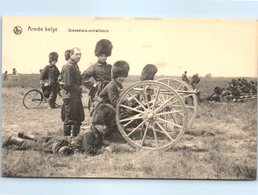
(75, 130)
(24, 135)
(67, 130)
(11, 140)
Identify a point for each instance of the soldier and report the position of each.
(72, 110)
(148, 72)
(110, 94)
(195, 80)
(5, 75)
(14, 71)
(100, 72)
(49, 80)
(90, 141)
(184, 77)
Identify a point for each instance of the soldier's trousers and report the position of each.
(72, 114)
(39, 144)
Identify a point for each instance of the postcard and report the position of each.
(157, 98)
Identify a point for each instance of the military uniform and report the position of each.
(89, 141)
(72, 110)
(100, 72)
(110, 94)
(49, 80)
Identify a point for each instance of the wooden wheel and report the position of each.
(151, 115)
(188, 95)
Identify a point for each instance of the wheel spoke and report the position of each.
(165, 121)
(155, 135)
(179, 87)
(137, 116)
(165, 132)
(183, 97)
(172, 112)
(166, 102)
(130, 108)
(145, 96)
(145, 132)
(136, 128)
(138, 101)
(155, 100)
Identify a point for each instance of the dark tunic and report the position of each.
(100, 72)
(50, 73)
(110, 94)
(71, 77)
(72, 111)
(86, 142)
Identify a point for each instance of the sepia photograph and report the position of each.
(104, 97)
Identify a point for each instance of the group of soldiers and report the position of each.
(193, 81)
(237, 90)
(105, 84)
(5, 74)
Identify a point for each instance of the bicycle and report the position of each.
(34, 97)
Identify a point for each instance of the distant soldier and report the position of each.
(5, 75)
(14, 71)
(184, 77)
(49, 80)
(195, 80)
(100, 72)
(89, 141)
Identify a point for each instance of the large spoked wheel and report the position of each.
(151, 115)
(32, 99)
(188, 95)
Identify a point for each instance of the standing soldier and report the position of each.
(184, 77)
(100, 72)
(72, 110)
(5, 75)
(49, 80)
(195, 80)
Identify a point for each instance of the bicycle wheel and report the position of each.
(32, 99)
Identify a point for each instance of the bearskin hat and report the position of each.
(120, 69)
(92, 142)
(103, 46)
(103, 115)
(148, 72)
(53, 56)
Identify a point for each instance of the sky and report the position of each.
(221, 47)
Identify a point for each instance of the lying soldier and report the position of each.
(89, 141)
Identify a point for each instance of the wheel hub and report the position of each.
(150, 116)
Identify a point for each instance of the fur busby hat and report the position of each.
(103, 115)
(148, 72)
(103, 46)
(53, 56)
(120, 69)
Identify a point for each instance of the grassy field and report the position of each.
(220, 145)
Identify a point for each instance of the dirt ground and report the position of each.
(220, 145)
